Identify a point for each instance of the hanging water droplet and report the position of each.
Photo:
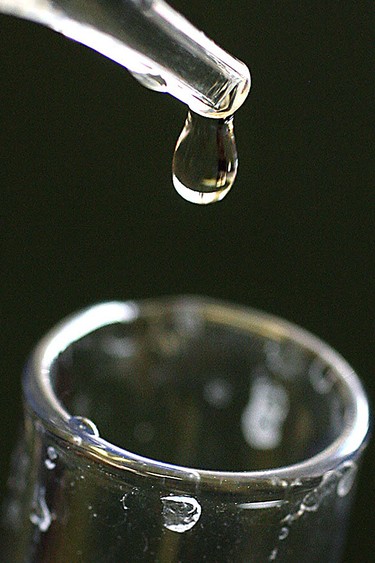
(205, 159)
(180, 513)
(83, 424)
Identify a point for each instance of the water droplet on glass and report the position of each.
(151, 81)
(83, 424)
(296, 483)
(328, 483)
(311, 501)
(180, 513)
(321, 377)
(273, 555)
(262, 504)
(50, 461)
(123, 502)
(348, 471)
(284, 532)
(205, 159)
(289, 518)
(51, 452)
(218, 393)
(285, 359)
(263, 417)
(40, 515)
(126, 499)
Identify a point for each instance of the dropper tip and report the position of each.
(228, 100)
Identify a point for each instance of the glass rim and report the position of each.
(45, 405)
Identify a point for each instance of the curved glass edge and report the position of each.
(42, 401)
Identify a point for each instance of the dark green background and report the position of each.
(88, 211)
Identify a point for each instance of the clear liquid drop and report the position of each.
(205, 159)
(83, 424)
(180, 513)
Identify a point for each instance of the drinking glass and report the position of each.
(184, 430)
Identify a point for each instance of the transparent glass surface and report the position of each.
(154, 42)
(184, 430)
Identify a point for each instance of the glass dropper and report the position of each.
(154, 42)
